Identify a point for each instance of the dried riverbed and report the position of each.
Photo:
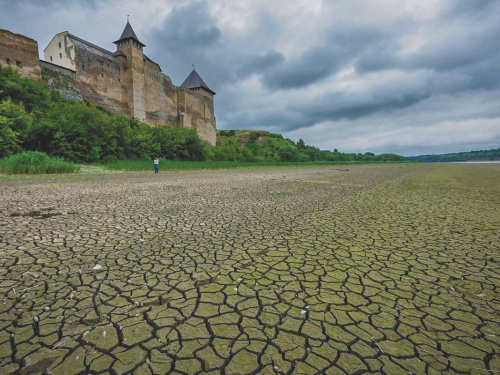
(389, 269)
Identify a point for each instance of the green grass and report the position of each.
(34, 162)
(144, 165)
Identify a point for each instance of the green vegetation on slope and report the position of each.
(459, 156)
(261, 146)
(32, 118)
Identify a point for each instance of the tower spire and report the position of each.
(194, 81)
(129, 33)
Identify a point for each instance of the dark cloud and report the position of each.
(22, 4)
(311, 67)
(190, 27)
(340, 46)
(462, 50)
(260, 64)
(468, 9)
(465, 42)
(186, 37)
(339, 106)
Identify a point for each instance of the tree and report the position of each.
(13, 124)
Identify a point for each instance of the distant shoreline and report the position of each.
(476, 161)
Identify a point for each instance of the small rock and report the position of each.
(97, 267)
(16, 213)
(47, 308)
(481, 295)
(303, 312)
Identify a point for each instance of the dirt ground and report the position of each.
(390, 269)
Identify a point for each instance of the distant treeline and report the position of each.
(459, 156)
(33, 118)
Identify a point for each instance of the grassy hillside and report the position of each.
(486, 155)
(259, 146)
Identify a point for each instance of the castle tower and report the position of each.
(195, 83)
(197, 109)
(133, 75)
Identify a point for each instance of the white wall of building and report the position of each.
(60, 51)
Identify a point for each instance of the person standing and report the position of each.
(156, 165)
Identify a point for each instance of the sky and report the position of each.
(398, 76)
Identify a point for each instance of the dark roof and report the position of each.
(114, 54)
(128, 32)
(90, 44)
(119, 53)
(194, 81)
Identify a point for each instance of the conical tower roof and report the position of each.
(127, 33)
(194, 81)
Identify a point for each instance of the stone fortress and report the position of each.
(125, 81)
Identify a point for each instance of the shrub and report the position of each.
(34, 162)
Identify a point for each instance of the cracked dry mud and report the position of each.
(390, 269)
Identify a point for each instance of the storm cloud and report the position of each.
(378, 75)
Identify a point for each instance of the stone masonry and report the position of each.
(125, 81)
(20, 53)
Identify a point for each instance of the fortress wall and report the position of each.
(20, 53)
(134, 81)
(61, 80)
(204, 93)
(98, 78)
(60, 70)
(160, 95)
(197, 112)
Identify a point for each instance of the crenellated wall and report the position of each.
(20, 53)
(160, 95)
(197, 111)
